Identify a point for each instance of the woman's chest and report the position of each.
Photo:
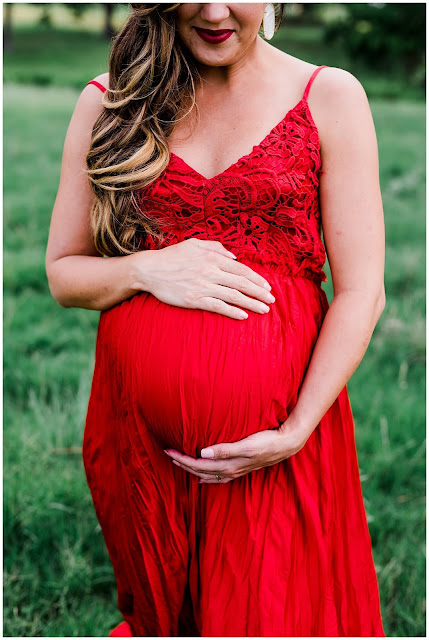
(212, 146)
(217, 137)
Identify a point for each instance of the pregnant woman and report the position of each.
(219, 445)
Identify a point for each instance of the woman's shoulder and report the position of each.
(90, 100)
(330, 85)
(334, 83)
(102, 79)
(330, 81)
(337, 98)
(330, 91)
(89, 106)
(339, 107)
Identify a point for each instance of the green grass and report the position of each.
(68, 54)
(58, 580)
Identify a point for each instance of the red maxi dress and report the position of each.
(284, 550)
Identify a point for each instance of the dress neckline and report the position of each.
(303, 102)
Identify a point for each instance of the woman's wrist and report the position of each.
(297, 427)
(139, 269)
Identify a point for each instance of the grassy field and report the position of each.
(58, 579)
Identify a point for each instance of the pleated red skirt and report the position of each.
(283, 551)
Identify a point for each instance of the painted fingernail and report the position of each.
(167, 452)
(174, 462)
(207, 453)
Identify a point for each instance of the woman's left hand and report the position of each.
(221, 463)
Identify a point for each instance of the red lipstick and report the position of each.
(213, 36)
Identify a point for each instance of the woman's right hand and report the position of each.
(202, 274)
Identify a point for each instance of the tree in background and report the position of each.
(303, 13)
(7, 26)
(384, 36)
(77, 9)
(109, 29)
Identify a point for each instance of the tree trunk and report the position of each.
(7, 26)
(109, 30)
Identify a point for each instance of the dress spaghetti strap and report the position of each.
(97, 84)
(310, 82)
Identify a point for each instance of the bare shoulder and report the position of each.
(331, 88)
(340, 107)
(90, 102)
(103, 79)
(88, 108)
(336, 86)
(91, 91)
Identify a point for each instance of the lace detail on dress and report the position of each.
(264, 208)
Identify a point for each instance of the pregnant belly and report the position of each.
(194, 378)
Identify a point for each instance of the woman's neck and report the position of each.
(250, 64)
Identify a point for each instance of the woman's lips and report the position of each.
(214, 35)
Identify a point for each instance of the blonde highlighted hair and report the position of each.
(152, 79)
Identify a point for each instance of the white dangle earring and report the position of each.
(269, 21)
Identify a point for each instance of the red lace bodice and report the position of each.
(264, 207)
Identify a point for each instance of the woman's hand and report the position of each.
(232, 460)
(202, 274)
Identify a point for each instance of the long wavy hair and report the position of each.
(152, 81)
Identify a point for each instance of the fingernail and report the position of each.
(174, 462)
(166, 451)
(267, 286)
(232, 255)
(207, 453)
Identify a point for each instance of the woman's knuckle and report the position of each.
(206, 272)
(210, 257)
(242, 282)
(190, 298)
(239, 269)
(217, 304)
(235, 295)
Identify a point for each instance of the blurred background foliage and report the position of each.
(58, 579)
(366, 38)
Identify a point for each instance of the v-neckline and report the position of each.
(247, 155)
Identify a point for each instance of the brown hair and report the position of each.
(152, 81)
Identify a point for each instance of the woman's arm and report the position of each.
(353, 229)
(352, 217)
(78, 275)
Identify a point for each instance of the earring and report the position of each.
(269, 21)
